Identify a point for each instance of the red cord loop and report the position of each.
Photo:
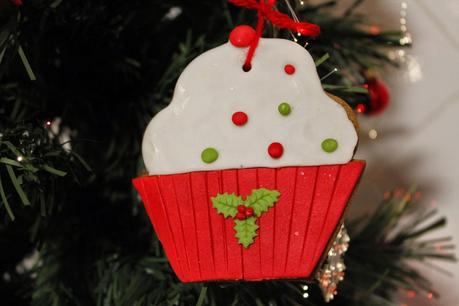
(279, 19)
(265, 10)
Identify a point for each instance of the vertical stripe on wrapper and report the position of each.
(251, 256)
(266, 179)
(234, 249)
(325, 185)
(218, 226)
(166, 185)
(182, 187)
(337, 206)
(201, 204)
(158, 215)
(292, 236)
(304, 193)
(283, 212)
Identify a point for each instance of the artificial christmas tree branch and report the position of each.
(31, 159)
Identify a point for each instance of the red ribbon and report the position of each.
(266, 10)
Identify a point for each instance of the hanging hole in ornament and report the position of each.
(247, 67)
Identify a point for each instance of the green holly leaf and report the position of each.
(261, 200)
(246, 231)
(226, 204)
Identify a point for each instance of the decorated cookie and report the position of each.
(250, 166)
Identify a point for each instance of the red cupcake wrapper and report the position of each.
(292, 236)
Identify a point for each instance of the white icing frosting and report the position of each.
(214, 86)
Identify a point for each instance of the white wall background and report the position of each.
(419, 134)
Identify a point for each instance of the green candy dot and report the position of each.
(329, 145)
(209, 155)
(284, 109)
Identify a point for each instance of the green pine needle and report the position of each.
(202, 296)
(54, 171)
(17, 185)
(26, 64)
(5, 201)
(322, 59)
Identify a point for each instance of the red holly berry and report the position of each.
(241, 216)
(241, 208)
(249, 212)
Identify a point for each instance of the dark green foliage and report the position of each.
(104, 68)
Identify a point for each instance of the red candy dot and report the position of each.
(242, 36)
(240, 118)
(276, 150)
(289, 69)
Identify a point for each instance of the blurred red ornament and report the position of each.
(379, 96)
(375, 30)
(360, 108)
(411, 294)
(16, 2)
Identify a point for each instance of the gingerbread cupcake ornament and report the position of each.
(251, 165)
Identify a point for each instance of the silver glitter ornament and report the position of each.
(333, 270)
